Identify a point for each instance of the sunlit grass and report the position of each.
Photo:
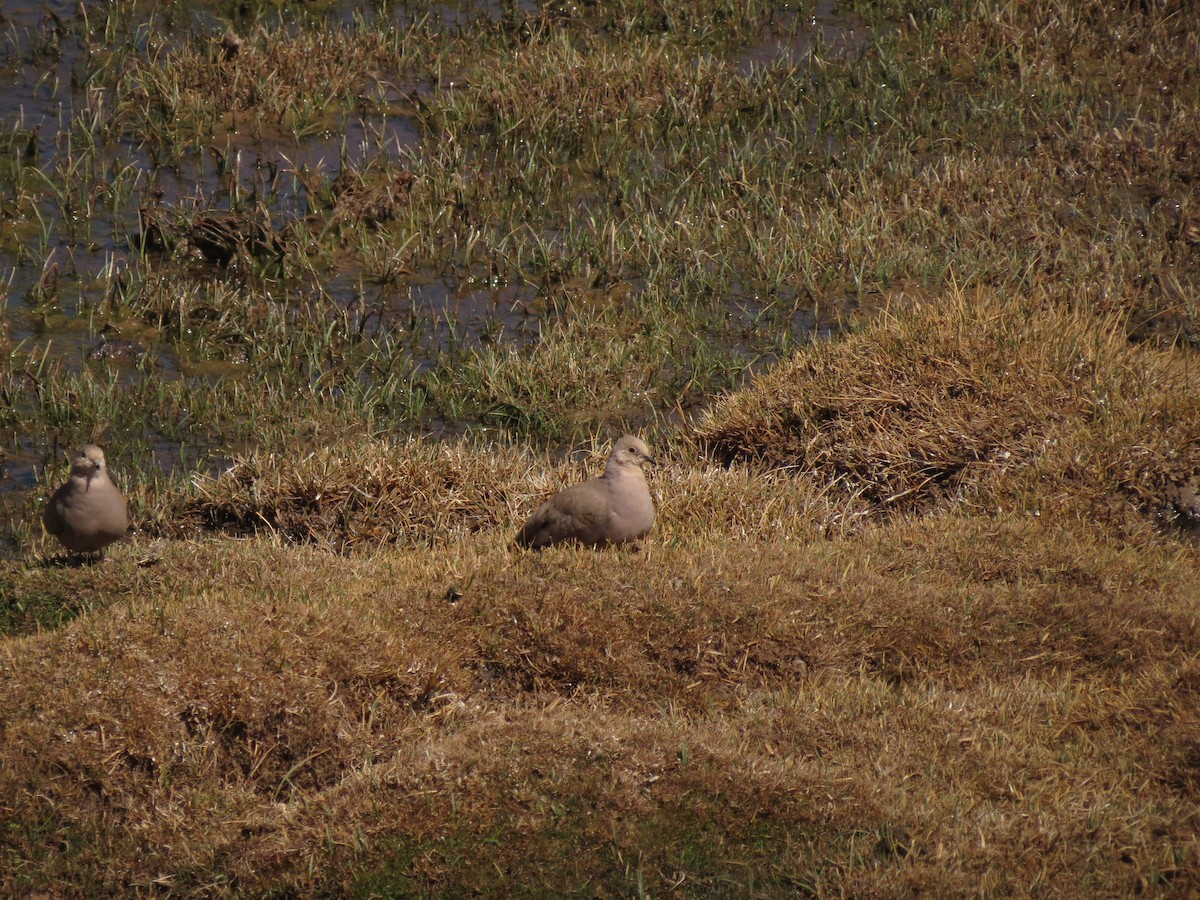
(918, 610)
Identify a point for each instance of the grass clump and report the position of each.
(364, 494)
(367, 494)
(355, 496)
(977, 400)
(282, 81)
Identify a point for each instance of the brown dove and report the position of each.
(88, 512)
(612, 509)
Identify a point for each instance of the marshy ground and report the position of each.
(904, 297)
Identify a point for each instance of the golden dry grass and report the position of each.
(947, 703)
(975, 399)
(361, 494)
(354, 494)
(781, 691)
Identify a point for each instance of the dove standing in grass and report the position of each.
(88, 512)
(612, 509)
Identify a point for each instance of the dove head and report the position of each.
(629, 453)
(88, 462)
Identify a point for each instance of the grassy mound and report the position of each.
(977, 400)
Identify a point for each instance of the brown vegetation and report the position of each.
(970, 399)
(916, 614)
(345, 496)
(951, 703)
(780, 692)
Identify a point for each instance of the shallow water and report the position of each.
(804, 29)
(41, 90)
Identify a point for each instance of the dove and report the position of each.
(612, 509)
(87, 513)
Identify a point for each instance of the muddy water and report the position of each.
(40, 59)
(39, 55)
(806, 29)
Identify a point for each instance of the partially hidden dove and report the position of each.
(88, 512)
(612, 509)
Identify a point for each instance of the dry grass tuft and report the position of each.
(361, 494)
(355, 199)
(975, 400)
(274, 84)
(365, 494)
